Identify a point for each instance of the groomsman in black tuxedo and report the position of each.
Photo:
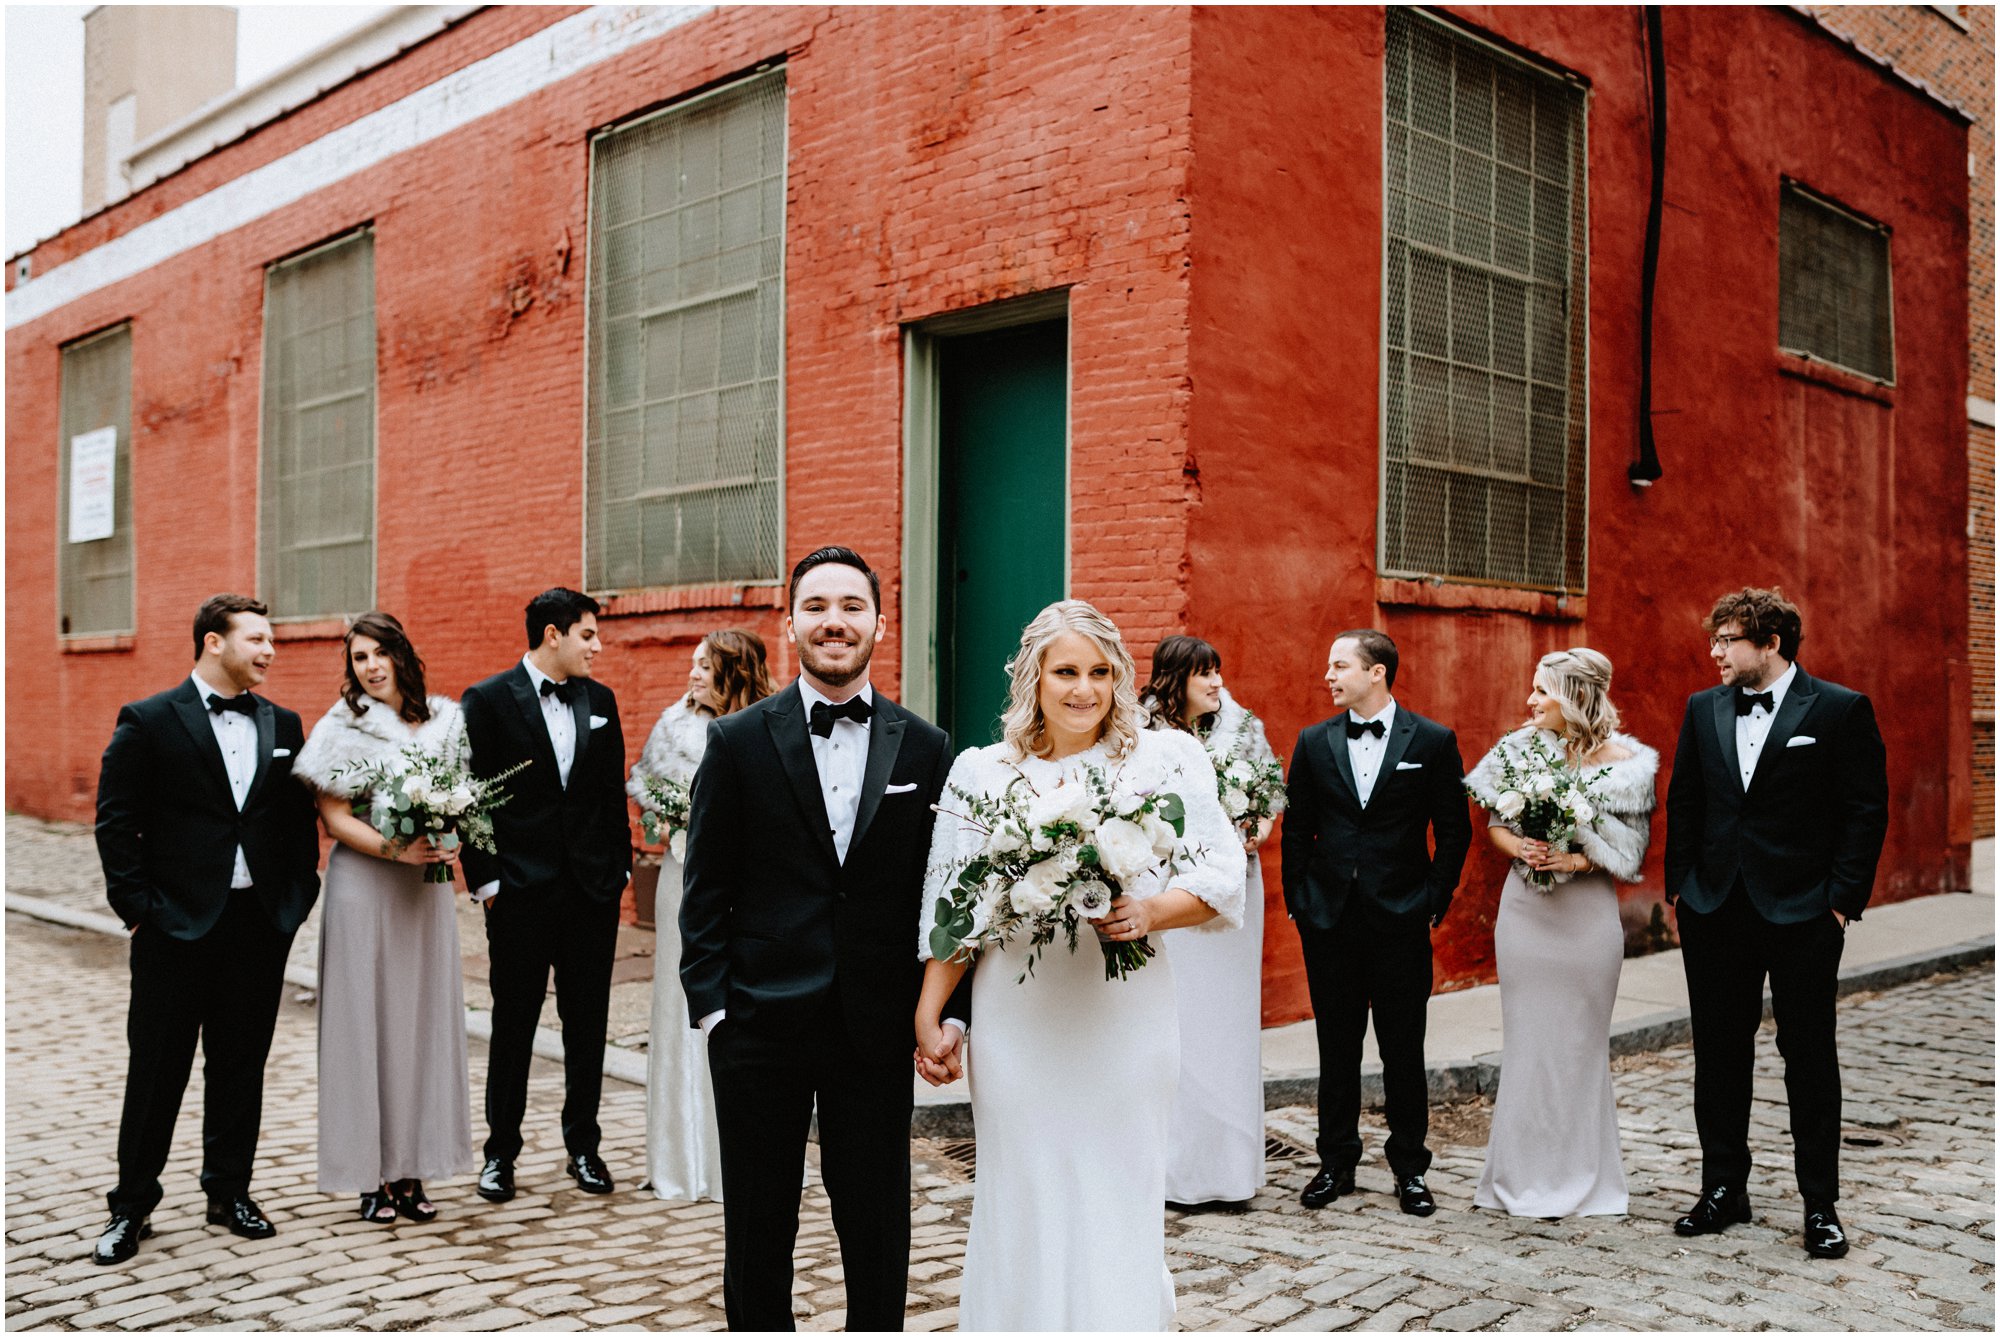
(211, 858)
(810, 827)
(1364, 891)
(563, 853)
(1775, 820)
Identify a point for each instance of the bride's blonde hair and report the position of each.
(1580, 681)
(1022, 726)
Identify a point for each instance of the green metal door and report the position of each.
(1003, 514)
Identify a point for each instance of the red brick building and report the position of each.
(1251, 323)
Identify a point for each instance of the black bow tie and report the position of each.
(1745, 700)
(1376, 727)
(240, 703)
(564, 692)
(854, 708)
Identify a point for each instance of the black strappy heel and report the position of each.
(411, 1201)
(374, 1203)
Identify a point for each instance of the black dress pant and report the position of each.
(529, 932)
(1371, 961)
(766, 1083)
(222, 989)
(1727, 954)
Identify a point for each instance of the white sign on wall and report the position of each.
(93, 475)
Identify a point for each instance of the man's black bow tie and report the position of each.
(823, 715)
(564, 692)
(1745, 700)
(1376, 727)
(240, 703)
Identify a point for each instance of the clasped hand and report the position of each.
(418, 850)
(1126, 921)
(937, 1058)
(1542, 857)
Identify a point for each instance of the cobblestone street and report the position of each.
(1919, 1201)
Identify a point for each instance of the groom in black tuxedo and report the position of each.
(210, 857)
(1775, 819)
(810, 826)
(563, 853)
(1365, 890)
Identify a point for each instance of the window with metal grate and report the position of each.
(96, 572)
(316, 537)
(1833, 285)
(685, 386)
(1485, 398)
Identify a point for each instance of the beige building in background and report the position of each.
(144, 68)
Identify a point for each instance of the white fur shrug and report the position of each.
(342, 741)
(1623, 793)
(673, 749)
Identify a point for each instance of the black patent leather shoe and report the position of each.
(1824, 1237)
(242, 1216)
(1717, 1209)
(1326, 1186)
(120, 1240)
(496, 1180)
(1414, 1196)
(589, 1172)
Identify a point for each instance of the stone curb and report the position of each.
(1451, 1080)
(622, 1064)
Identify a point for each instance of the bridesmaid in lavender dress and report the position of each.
(1554, 1150)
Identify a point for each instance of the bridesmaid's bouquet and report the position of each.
(417, 792)
(1541, 796)
(663, 812)
(1051, 862)
(1251, 787)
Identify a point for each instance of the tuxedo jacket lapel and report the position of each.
(523, 689)
(579, 710)
(1395, 745)
(885, 738)
(1791, 712)
(1724, 712)
(194, 715)
(267, 733)
(1336, 741)
(787, 724)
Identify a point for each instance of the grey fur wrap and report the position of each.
(343, 742)
(673, 749)
(1623, 793)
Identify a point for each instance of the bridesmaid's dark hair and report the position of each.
(1175, 660)
(386, 631)
(742, 675)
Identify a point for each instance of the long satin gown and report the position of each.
(683, 1149)
(1215, 1137)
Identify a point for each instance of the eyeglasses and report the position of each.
(1717, 642)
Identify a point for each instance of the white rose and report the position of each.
(1509, 803)
(1579, 806)
(1542, 785)
(1035, 893)
(460, 799)
(1064, 803)
(1125, 803)
(1235, 802)
(677, 845)
(1160, 834)
(1237, 771)
(1124, 849)
(1041, 840)
(1006, 838)
(1092, 899)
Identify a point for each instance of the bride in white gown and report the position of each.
(1073, 1075)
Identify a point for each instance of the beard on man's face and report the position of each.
(834, 673)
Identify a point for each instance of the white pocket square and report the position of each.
(899, 789)
(598, 721)
(1800, 740)
(281, 752)
(1409, 765)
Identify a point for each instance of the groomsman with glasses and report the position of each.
(211, 857)
(1364, 890)
(1775, 820)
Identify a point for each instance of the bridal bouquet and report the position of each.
(1542, 797)
(663, 812)
(1251, 787)
(1051, 862)
(416, 792)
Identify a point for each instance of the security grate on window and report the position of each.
(686, 343)
(1833, 285)
(317, 532)
(1484, 394)
(97, 573)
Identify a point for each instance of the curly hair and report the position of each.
(385, 630)
(1761, 614)
(1175, 660)
(1579, 680)
(1023, 727)
(736, 661)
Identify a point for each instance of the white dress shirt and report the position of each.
(1365, 753)
(841, 759)
(562, 736)
(1752, 729)
(236, 735)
